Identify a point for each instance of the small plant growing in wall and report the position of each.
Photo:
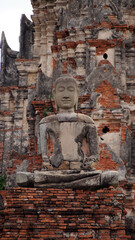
(46, 110)
(2, 182)
(50, 96)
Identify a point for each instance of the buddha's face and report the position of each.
(66, 95)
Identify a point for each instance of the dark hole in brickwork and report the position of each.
(105, 129)
(105, 56)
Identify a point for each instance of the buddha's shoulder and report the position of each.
(48, 119)
(79, 118)
(84, 118)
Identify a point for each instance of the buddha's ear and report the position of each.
(76, 104)
(53, 92)
(54, 96)
(77, 94)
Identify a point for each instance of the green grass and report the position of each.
(2, 182)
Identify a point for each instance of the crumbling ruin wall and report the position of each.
(95, 42)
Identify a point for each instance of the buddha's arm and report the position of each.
(43, 142)
(92, 139)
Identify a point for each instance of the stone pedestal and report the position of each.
(68, 179)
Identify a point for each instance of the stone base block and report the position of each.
(68, 179)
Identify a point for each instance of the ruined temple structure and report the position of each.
(94, 42)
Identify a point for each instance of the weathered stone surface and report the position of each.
(68, 178)
(26, 38)
(130, 225)
(103, 72)
(109, 178)
(9, 75)
(66, 117)
(75, 165)
(25, 179)
(61, 176)
(73, 17)
(44, 85)
(87, 182)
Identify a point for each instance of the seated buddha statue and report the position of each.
(74, 142)
(73, 135)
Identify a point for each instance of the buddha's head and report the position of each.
(65, 93)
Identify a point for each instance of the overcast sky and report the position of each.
(10, 14)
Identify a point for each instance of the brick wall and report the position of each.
(63, 214)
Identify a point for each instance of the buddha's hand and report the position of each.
(93, 158)
(89, 162)
(45, 163)
(45, 158)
